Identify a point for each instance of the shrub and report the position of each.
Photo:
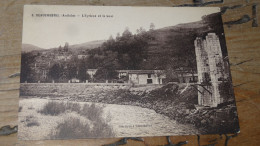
(71, 128)
(31, 121)
(92, 112)
(53, 108)
(73, 107)
(102, 129)
(74, 128)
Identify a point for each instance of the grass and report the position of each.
(55, 108)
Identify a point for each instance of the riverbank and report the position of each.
(122, 120)
(176, 101)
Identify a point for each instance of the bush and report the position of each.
(72, 128)
(73, 107)
(31, 121)
(53, 108)
(92, 112)
(102, 129)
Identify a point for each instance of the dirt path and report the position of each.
(129, 120)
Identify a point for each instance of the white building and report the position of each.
(146, 76)
(122, 73)
(82, 56)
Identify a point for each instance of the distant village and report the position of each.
(45, 61)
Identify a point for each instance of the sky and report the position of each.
(50, 32)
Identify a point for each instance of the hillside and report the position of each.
(176, 43)
(29, 48)
(169, 47)
(86, 46)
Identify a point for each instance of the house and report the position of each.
(63, 57)
(122, 73)
(146, 76)
(82, 56)
(74, 80)
(187, 78)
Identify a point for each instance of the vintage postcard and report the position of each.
(103, 71)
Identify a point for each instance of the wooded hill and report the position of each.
(170, 48)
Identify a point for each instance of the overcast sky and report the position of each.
(49, 32)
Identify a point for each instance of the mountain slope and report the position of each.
(29, 48)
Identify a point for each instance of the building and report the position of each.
(122, 73)
(82, 56)
(210, 68)
(63, 57)
(146, 76)
(187, 78)
(136, 76)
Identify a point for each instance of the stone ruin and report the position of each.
(211, 70)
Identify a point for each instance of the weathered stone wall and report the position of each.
(210, 67)
(78, 89)
(61, 89)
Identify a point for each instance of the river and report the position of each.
(128, 121)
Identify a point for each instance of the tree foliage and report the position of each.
(26, 71)
(56, 71)
(82, 72)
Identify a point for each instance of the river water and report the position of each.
(128, 121)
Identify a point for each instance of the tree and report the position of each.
(72, 71)
(82, 71)
(104, 73)
(72, 67)
(152, 26)
(26, 71)
(117, 36)
(66, 47)
(141, 30)
(56, 71)
(126, 34)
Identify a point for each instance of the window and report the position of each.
(149, 75)
(149, 81)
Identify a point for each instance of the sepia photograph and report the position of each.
(104, 72)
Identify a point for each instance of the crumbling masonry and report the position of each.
(210, 67)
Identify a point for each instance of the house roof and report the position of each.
(141, 72)
(92, 69)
